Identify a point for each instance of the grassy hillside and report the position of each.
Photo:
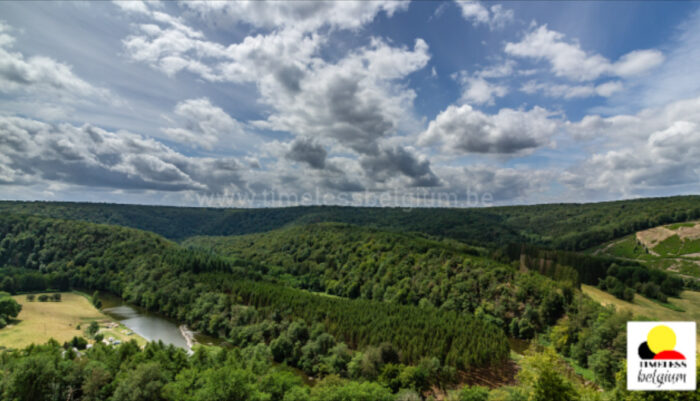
(685, 308)
(562, 226)
(673, 247)
(40, 321)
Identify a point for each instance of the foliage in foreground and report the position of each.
(165, 373)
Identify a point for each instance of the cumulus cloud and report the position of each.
(655, 148)
(569, 60)
(305, 150)
(391, 162)
(204, 125)
(477, 90)
(89, 156)
(356, 101)
(40, 76)
(496, 17)
(565, 91)
(304, 15)
(466, 130)
(353, 101)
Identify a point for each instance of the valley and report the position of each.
(323, 306)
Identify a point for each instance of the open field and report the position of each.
(40, 321)
(689, 302)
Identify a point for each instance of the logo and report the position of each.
(661, 356)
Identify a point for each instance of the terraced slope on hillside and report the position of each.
(673, 247)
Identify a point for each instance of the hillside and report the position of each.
(672, 247)
(228, 297)
(560, 226)
(359, 262)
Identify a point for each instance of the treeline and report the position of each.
(620, 277)
(202, 290)
(558, 226)
(364, 263)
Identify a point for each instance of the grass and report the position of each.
(671, 246)
(40, 321)
(689, 302)
(673, 253)
(679, 225)
(627, 248)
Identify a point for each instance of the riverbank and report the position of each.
(189, 336)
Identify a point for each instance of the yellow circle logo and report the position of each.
(661, 338)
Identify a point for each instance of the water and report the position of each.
(149, 325)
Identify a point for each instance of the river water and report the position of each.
(149, 325)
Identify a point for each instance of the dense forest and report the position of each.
(335, 303)
(558, 226)
(355, 262)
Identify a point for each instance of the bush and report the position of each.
(43, 298)
(93, 328)
(473, 393)
(56, 297)
(31, 297)
(77, 342)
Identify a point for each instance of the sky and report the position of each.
(375, 103)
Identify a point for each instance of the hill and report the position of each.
(228, 297)
(672, 247)
(359, 262)
(561, 226)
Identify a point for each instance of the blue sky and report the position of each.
(225, 103)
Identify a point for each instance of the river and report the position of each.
(149, 325)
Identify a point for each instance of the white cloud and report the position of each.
(353, 101)
(135, 6)
(565, 91)
(654, 149)
(496, 17)
(205, 125)
(678, 79)
(466, 130)
(34, 151)
(301, 15)
(570, 61)
(357, 101)
(477, 90)
(40, 76)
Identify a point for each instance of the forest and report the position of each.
(559, 226)
(369, 304)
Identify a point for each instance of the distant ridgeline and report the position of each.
(572, 227)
